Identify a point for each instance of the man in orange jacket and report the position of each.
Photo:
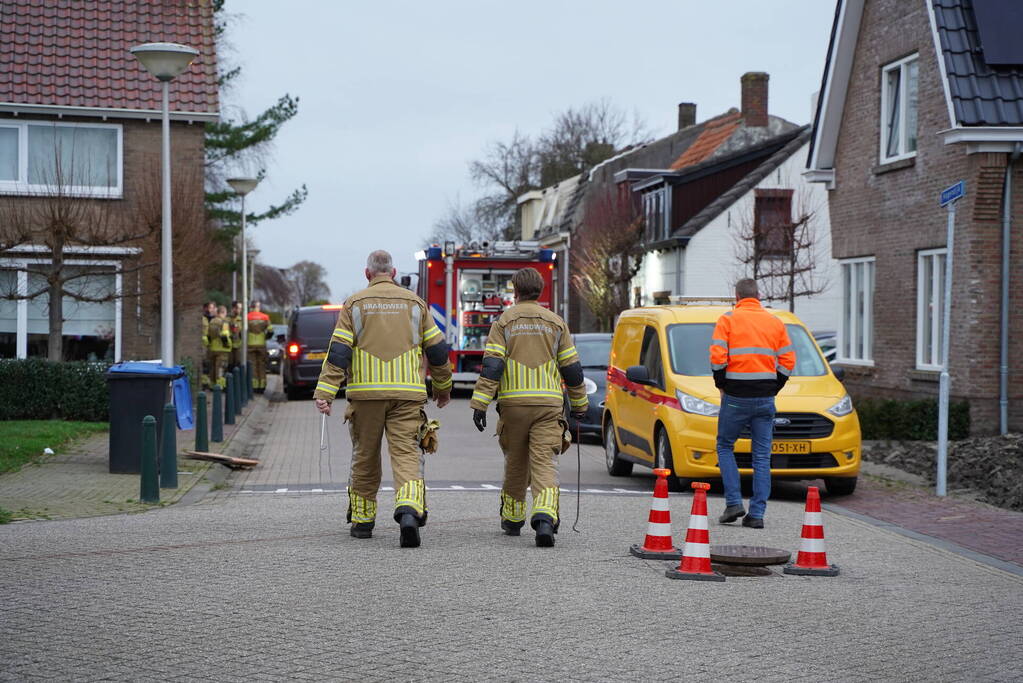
(752, 358)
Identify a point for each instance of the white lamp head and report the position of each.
(166, 61)
(243, 186)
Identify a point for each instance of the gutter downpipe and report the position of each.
(1003, 369)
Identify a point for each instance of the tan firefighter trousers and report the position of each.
(257, 359)
(530, 437)
(369, 421)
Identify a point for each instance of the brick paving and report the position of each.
(971, 524)
(77, 482)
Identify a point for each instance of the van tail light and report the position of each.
(293, 350)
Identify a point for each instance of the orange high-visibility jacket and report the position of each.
(750, 351)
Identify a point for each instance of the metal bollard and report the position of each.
(248, 380)
(169, 448)
(239, 394)
(217, 425)
(149, 486)
(229, 393)
(202, 432)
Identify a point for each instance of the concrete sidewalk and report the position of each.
(77, 482)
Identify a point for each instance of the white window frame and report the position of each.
(848, 328)
(903, 100)
(21, 186)
(20, 264)
(930, 358)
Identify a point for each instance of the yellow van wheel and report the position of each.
(666, 460)
(616, 467)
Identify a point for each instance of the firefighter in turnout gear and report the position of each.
(382, 334)
(529, 354)
(235, 323)
(259, 331)
(219, 334)
(208, 312)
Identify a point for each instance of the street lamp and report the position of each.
(166, 61)
(253, 253)
(241, 187)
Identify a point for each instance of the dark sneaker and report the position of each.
(753, 522)
(409, 530)
(362, 530)
(732, 513)
(511, 528)
(544, 534)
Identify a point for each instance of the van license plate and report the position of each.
(320, 355)
(791, 447)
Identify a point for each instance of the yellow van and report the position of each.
(662, 405)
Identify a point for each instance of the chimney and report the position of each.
(686, 114)
(754, 98)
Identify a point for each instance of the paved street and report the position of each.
(258, 583)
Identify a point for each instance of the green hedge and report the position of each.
(910, 420)
(37, 389)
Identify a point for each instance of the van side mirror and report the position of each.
(839, 371)
(638, 374)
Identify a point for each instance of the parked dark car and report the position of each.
(309, 331)
(594, 355)
(275, 348)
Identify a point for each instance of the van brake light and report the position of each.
(293, 350)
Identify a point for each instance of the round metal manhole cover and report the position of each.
(741, 570)
(748, 555)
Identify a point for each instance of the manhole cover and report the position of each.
(749, 555)
(739, 570)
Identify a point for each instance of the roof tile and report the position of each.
(74, 53)
(715, 132)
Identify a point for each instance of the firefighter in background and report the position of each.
(529, 352)
(219, 334)
(381, 336)
(208, 311)
(259, 331)
(235, 322)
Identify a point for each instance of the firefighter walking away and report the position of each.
(382, 334)
(529, 355)
(259, 331)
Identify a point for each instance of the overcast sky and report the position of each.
(398, 97)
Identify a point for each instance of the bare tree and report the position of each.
(273, 287)
(307, 278)
(608, 255)
(778, 243)
(506, 171)
(463, 224)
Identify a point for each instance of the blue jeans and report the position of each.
(758, 414)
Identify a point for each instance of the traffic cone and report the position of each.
(812, 560)
(695, 564)
(657, 545)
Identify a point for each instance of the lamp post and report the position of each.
(166, 61)
(253, 253)
(241, 187)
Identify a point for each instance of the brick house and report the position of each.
(917, 95)
(691, 144)
(80, 132)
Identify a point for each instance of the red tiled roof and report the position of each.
(74, 53)
(715, 132)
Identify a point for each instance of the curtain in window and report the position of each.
(72, 156)
(8, 154)
(911, 105)
(894, 105)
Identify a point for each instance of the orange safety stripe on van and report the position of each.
(616, 376)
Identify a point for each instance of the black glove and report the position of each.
(479, 418)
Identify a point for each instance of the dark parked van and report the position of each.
(309, 331)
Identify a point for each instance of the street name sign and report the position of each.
(953, 192)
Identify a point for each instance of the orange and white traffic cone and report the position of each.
(812, 560)
(657, 544)
(695, 564)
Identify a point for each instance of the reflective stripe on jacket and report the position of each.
(378, 345)
(750, 351)
(529, 357)
(259, 323)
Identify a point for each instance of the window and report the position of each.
(899, 109)
(656, 214)
(772, 224)
(930, 309)
(650, 355)
(689, 347)
(856, 332)
(78, 158)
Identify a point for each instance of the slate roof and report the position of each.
(73, 53)
(981, 95)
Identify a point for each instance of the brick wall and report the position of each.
(891, 212)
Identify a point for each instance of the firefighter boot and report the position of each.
(513, 514)
(544, 527)
(361, 515)
(409, 524)
(362, 530)
(545, 516)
